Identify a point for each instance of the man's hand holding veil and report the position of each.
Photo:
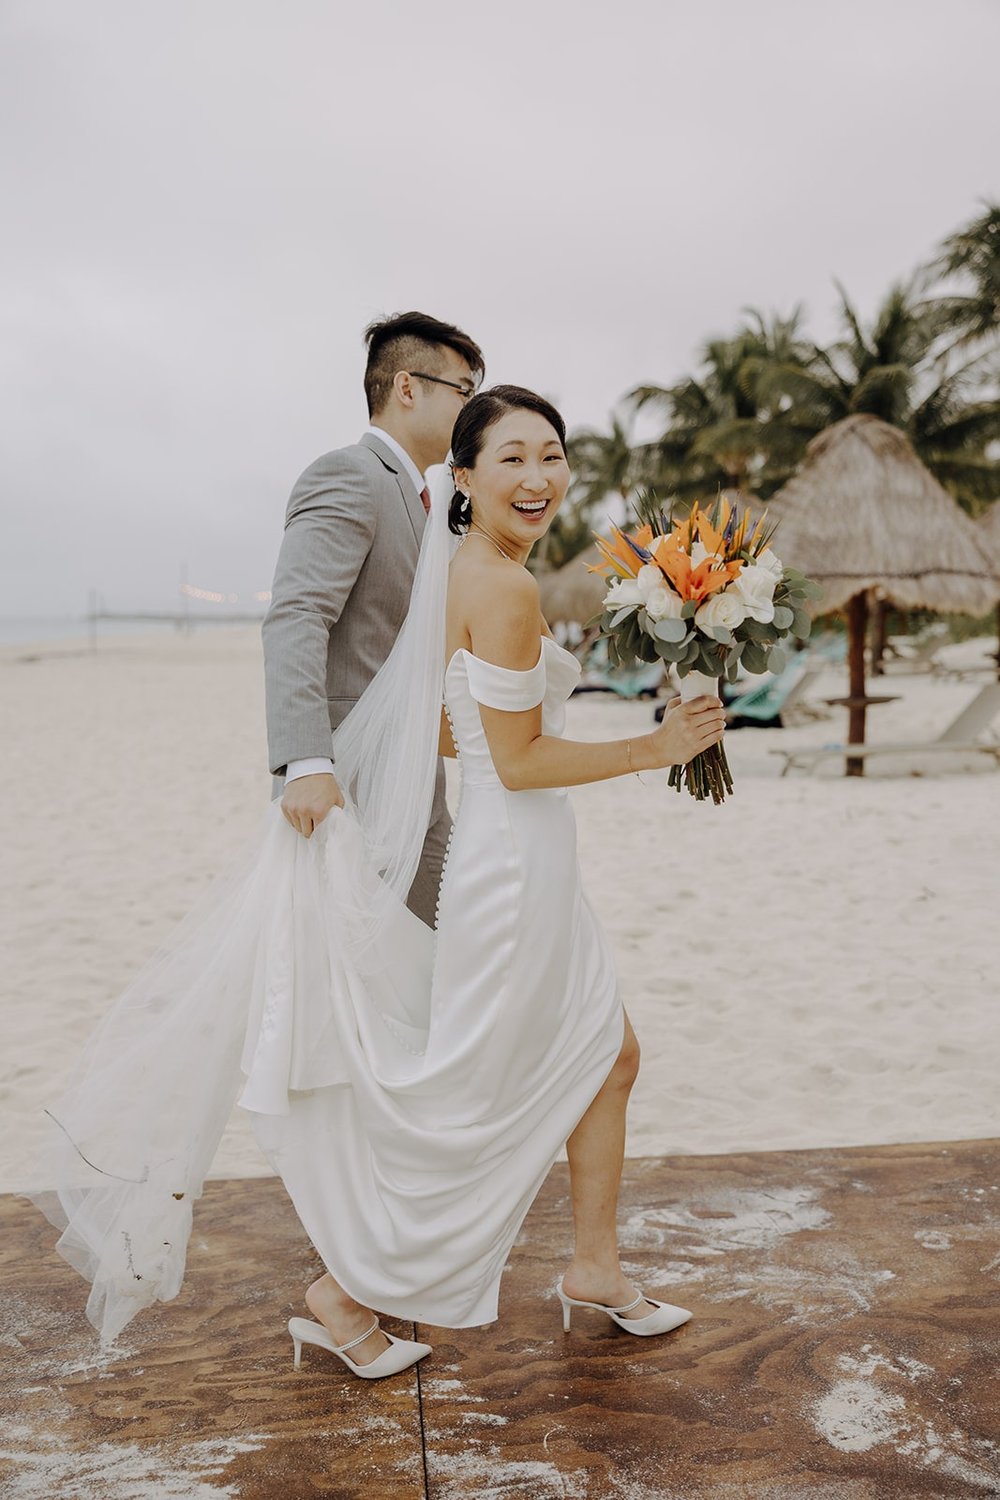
(308, 799)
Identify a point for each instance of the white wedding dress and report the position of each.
(470, 1058)
(412, 1098)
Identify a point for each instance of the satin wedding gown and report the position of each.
(475, 1052)
(412, 1098)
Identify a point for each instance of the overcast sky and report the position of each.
(206, 200)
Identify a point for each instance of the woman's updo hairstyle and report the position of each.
(474, 420)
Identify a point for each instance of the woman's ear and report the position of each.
(462, 481)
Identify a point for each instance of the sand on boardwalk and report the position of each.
(814, 964)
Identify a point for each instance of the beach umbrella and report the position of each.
(866, 519)
(989, 535)
(570, 594)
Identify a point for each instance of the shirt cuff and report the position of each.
(317, 765)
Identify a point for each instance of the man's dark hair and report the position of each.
(407, 340)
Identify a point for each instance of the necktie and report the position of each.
(425, 500)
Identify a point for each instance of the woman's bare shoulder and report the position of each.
(498, 604)
(497, 580)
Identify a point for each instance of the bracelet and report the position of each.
(628, 757)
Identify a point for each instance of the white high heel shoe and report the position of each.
(400, 1354)
(665, 1318)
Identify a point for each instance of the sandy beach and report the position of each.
(815, 964)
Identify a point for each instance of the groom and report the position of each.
(345, 569)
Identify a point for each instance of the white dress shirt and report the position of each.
(321, 765)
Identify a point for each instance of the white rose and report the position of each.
(699, 552)
(755, 586)
(623, 592)
(649, 578)
(771, 563)
(724, 608)
(658, 598)
(663, 604)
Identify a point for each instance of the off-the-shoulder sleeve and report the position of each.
(502, 687)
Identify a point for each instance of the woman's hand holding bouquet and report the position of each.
(688, 729)
(707, 594)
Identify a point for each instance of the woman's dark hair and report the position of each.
(475, 419)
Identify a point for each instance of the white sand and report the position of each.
(813, 964)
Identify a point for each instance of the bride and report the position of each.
(411, 1088)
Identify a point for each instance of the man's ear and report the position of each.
(402, 384)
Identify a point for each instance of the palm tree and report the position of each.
(603, 463)
(972, 255)
(723, 430)
(898, 369)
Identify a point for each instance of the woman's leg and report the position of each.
(596, 1151)
(344, 1319)
(295, 1146)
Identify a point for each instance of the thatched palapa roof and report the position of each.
(864, 513)
(570, 593)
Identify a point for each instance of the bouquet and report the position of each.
(707, 593)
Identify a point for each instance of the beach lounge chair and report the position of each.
(961, 735)
(769, 703)
(641, 681)
(831, 646)
(915, 653)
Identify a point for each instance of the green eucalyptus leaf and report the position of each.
(670, 630)
(669, 651)
(619, 617)
(754, 659)
(689, 609)
(801, 625)
(783, 617)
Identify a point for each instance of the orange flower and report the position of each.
(709, 576)
(710, 535)
(689, 581)
(618, 555)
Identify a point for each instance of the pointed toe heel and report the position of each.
(400, 1355)
(663, 1319)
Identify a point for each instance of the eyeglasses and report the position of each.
(465, 391)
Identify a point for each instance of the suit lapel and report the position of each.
(411, 500)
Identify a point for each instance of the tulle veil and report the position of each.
(133, 1135)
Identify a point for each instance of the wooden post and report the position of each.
(92, 619)
(857, 622)
(880, 627)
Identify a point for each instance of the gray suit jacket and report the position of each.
(340, 594)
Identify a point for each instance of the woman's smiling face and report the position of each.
(519, 480)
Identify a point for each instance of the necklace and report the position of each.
(479, 531)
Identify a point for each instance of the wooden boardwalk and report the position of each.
(845, 1346)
